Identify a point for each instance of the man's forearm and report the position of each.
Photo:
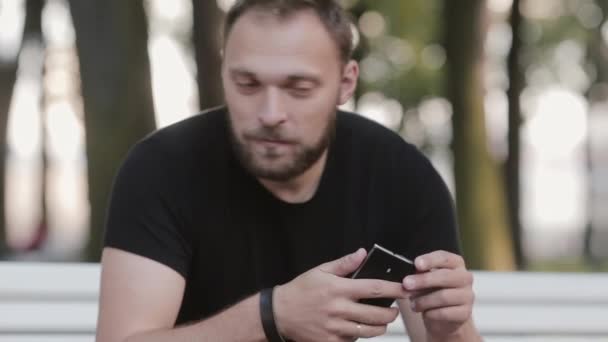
(467, 333)
(240, 322)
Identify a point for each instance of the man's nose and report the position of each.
(274, 112)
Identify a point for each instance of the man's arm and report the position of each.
(140, 299)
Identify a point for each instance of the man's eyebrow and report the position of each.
(241, 72)
(291, 79)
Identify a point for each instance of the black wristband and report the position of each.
(267, 315)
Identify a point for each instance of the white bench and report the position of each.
(54, 302)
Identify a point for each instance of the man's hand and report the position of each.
(321, 305)
(443, 293)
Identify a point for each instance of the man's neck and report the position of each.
(300, 189)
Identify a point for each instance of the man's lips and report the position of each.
(271, 141)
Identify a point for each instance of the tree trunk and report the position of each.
(597, 51)
(516, 85)
(8, 76)
(33, 32)
(598, 48)
(42, 228)
(479, 187)
(206, 35)
(111, 38)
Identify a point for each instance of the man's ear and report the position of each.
(348, 83)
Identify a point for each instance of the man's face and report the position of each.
(283, 79)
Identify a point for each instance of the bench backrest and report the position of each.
(58, 302)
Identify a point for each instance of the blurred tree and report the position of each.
(32, 33)
(597, 57)
(480, 193)
(111, 38)
(407, 30)
(512, 165)
(402, 57)
(207, 17)
(362, 47)
(598, 51)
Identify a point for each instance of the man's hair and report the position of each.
(335, 19)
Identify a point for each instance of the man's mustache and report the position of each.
(268, 134)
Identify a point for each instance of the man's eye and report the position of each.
(300, 91)
(248, 87)
(247, 84)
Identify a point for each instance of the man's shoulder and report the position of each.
(362, 132)
(206, 124)
(197, 131)
(185, 145)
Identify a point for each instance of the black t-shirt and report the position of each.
(182, 199)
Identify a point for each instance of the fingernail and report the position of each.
(359, 252)
(421, 263)
(409, 283)
(413, 305)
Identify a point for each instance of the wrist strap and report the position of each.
(267, 315)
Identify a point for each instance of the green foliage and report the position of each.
(410, 28)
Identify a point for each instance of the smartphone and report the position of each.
(381, 263)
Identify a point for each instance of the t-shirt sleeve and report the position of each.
(143, 216)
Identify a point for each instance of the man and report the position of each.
(277, 191)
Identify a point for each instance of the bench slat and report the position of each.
(506, 338)
(541, 287)
(530, 319)
(42, 280)
(46, 338)
(58, 302)
(574, 319)
(45, 317)
(81, 317)
(513, 338)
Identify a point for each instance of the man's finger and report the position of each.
(355, 330)
(346, 264)
(369, 314)
(453, 314)
(441, 278)
(438, 259)
(375, 288)
(420, 293)
(442, 298)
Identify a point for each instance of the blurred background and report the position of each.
(508, 98)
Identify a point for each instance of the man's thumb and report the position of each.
(346, 264)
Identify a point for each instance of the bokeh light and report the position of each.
(57, 24)
(11, 25)
(558, 124)
(377, 107)
(372, 24)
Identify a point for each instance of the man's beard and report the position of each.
(302, 158)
